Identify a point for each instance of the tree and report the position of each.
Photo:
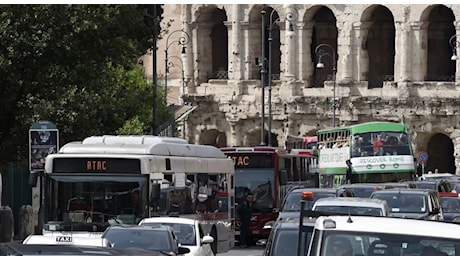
(74, 65)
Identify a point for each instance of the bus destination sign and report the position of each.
(258, 160)
(96, 165)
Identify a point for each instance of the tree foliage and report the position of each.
(76, 66)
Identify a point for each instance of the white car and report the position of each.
(66, 240)
(353, 206)
(188, 231)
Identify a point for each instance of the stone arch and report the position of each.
(213, 137)
(211, 43)
(379, 44)
(438, 32)
(324, 31)
(440, 149)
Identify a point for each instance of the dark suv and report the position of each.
(283, 238)
(412, 203)
(290, 207)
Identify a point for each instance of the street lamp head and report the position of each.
(291, 31)
(183, 50)
(454, 57)
(320, 65)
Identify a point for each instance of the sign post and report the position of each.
(422, 158)
(43, 140)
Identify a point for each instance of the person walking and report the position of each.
(245, 213)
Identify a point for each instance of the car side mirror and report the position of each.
(261, 242)
(435, 211)
(207, 239)
(183, 250)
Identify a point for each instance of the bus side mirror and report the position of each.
(33, 177)
(282, 177)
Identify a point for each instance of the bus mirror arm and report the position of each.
(155, 196)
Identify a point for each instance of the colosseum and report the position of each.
(394, 63)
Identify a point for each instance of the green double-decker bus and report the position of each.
(372, 152)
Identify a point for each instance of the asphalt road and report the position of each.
(251, 251)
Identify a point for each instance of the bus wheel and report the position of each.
(214, 244)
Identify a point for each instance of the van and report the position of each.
(383, 236)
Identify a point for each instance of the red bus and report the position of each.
(269, 173)
(309, 143)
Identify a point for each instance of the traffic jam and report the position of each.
(371, 219)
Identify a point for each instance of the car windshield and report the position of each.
(185, 232)
(403, 202)
(285, 242)
(376, 244)
(450, 204)
(292, 203)
(368, 211)
(157, 240)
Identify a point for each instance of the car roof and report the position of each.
(349, 201)
(358, 185)
(389, 225)
(327, 190)
(293, 223)
(448, 194)
(168, 220)
(405, 190)
(140, 227)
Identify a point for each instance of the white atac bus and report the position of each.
(106, 180)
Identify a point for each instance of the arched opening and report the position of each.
(324, 32)
(213, 137)
(212, 43)
(219, 35)
(380, 46)
(440, 29)
(440, 151)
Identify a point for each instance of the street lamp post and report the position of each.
(263, 71)
(289, 17)
(183, 40)
(321, 51)
(181, 68)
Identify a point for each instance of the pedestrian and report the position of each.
(245, 213)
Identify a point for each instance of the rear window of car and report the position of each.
(404, 202)
(367, 211)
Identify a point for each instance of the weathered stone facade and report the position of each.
(393, 64)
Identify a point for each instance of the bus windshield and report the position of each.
(258, 181)
(380, 143)
(102, 199)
